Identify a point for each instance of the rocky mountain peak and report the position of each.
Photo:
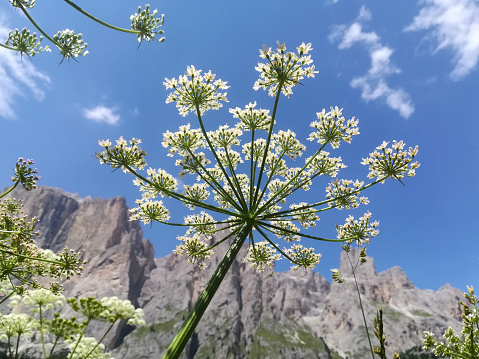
(290, 314)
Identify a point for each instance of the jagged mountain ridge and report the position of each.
(286, 314)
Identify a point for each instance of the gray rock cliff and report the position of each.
(283, 314)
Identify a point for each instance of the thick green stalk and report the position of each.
(179, 342)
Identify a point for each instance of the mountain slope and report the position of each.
(283, 314)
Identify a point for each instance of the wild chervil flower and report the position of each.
(195, 91)
(284, 69)
(147, 25)
(252, 181)
(392, 162)
(71, 45)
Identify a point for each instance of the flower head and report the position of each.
(25, 43)
(284, 69)
(252, 119)
(122, 155)
(262, 255)
(332, 127)
(147, 24)
(344, 194)
(25, 174)
(196, 91)
(358, 230)
(392, 162)
(71, 45)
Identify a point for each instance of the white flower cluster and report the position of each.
(251, 119)
(252, 201)
(121, 155)
(184, 142)
(201, 224)
(262, 255)
(285, 229)
(26, 3)
(195, 248)
(284, 69)
(71, 45)
(195, 91)
(42, 299)
(14, 325)
(285, 143)
(149, 210)
(322, 164)
(87, 347)
(360, 231)
(197, 192)
(392, 162)
(158, 182)
(344, 194)
(117, 309)
(304, 215)
(225, 137)
(303, 257)
(147, 25)
(25, 42)
(332, 128)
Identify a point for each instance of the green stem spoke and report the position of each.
(79, 9)
(256, 200)
(181, 339)
(274, 245)
(11, 188)
(212, 149)
(270, 227)
(37, 26)
(214, 184)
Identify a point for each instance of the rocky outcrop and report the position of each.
(118, 259)
(253, 315)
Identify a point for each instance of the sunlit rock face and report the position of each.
(290, 315)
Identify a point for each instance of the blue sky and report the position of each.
(406, 70)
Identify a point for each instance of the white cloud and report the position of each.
(18, 77)
(364, 14)
(453, 25)
(373, 84)
(102, 114)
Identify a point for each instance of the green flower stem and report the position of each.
(76, 7)
(103, 337)
(41, 332)
(361, 304)
(16, 182)
(257, 200)
(179, 342)
(270, 177)
(252, 171)
(26, 257)
(245, 207)
(8, 296)
(265, 225)
(236, 230)
(10, 48)
(79, 338)
(180, 197)
(285, 186)
(274, 245)
(216, 186)
(53, 347)
(18, 344)
(38, 27)
(235, 179)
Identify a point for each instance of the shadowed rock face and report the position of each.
(283, 314)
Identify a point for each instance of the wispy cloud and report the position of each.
(453, 25)
(18, 79)
(102, 114)
(373, 84)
